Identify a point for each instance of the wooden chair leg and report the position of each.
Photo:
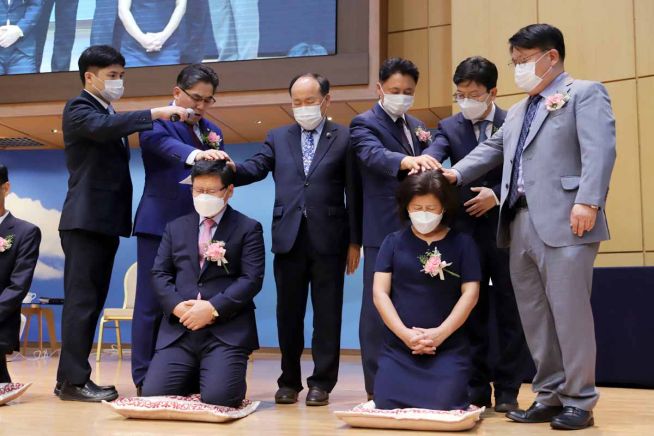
(99, 351)
(26, 332)
(50, 324)
(118, 342)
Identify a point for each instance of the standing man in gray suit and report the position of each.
(557, 148)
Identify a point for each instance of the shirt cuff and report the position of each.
(20, 33)
(458, 176)
(190, 160)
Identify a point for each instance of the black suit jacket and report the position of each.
(454, 139)
(176, 277)
(16, 271)
(330, 193)
(99, 197)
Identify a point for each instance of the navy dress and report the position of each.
(440, 381)
(152, 16)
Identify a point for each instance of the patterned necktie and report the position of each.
(526, 124)
(308, 149)
(482, 125)
(205, 238)
(405, 141)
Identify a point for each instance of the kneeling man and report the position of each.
(209, 267)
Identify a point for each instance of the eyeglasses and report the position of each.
(208, 191)
(526, 59)
(459, 96)
(198, 98)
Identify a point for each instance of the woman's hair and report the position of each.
(428, 182)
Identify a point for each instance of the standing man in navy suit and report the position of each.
(169, 152)
(97, 209)
(209, 267)
(316, 232)
(18, 20)
(388, 144)
(476, 88)
(19, 252)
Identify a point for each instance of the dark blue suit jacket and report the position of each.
(454, 139)
(24, 14)
(99, 197)
(332, 222)
(16, 271)
(176, 277)
(164, 151)
(377, 143)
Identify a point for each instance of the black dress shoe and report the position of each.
(286, 396)
(573, 418)
(481, 402)
(57, 388)
(506, 407)
(88, 392)
(317, 397)
(536, 413)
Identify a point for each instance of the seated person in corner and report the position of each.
(426, 283)
(209, 267)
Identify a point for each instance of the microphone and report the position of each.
(174, 117)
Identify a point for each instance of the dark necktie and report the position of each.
(405, 141)
(483, 125)
(526, 124)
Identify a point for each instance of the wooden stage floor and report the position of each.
(620, 411)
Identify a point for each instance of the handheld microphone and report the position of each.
(174, 117)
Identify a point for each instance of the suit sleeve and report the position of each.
(84, 119)
(249, 283)
(596, 134)
(439, 148)
(160, 142)
(371, 153)
(163, 275)
(258, 166)
(30, 18)
(22, 273)
(486, 156)
(354, 197)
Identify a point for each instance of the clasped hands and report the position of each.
(9, 34)
(194, 314)
(153, 41)
(423, 341)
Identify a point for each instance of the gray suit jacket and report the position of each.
(568, 158)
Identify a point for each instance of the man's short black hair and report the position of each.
(99, 56)
(194, 73)
(428, 182)
(542, 36)
(478, 70)
(4, 174)
(398, 65)
(214, 168)
(322, 81)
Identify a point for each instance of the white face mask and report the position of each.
(208, 206)
(525, 76)
(113, 89)
(397, 104)
(425, 222)
(308, 117)
(473, 109)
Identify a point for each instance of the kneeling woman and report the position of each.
(426, 283)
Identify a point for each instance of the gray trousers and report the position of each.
(552, 288)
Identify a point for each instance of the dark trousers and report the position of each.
(147, 310)
(89, 260)
(4, 373)
(14, 61)
(496, 305)
(371, 326)
(64, 34)
(220, 368)
(294, 271)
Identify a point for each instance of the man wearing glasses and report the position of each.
(169, 152)
(476, 88)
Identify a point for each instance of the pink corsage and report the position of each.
(6, 243)
(212, 139)
(556, 101)
(433, 264)
(423, 135)
(216, 252)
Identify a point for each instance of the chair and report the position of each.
(126, 313)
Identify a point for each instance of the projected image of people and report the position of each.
(42, 36)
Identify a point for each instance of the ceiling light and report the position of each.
(329, 118)
(54, 131)
(259, 122)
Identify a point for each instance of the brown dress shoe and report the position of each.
(286, 396)
(317, 397)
